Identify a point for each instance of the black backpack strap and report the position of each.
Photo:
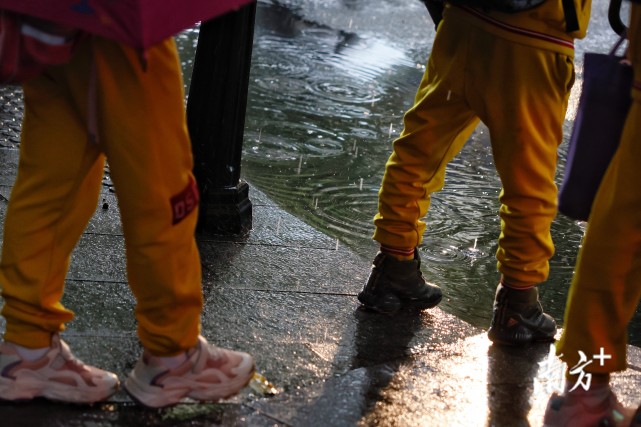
(571, 20)
(435, 9)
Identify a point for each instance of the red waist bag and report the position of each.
(28, 46)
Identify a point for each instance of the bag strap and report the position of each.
(614, 17)
(571, 20)
(617, 45)
(435, 9)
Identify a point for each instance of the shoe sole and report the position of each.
(513, 343)
(14, 391)
(425, 305)
(405, 304)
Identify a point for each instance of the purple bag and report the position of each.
(603, 106)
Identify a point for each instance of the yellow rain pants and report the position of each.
(606, 287)
(141, 126)
(520, 92)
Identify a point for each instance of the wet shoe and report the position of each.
(395, 284)
(208, 375)
(57, 375)
(578, 409)
(518, 318)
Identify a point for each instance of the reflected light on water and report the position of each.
(468, 386)
(419, 395)
(575, 94)
(370, 58)
(468, 383)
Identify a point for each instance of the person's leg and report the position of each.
(605, 290)
(54, 196)
(606, 287)
(435, 129)
(144, 134)
(521, 94)
(142, 128)
(524, 108)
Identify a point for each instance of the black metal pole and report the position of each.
(216, 119)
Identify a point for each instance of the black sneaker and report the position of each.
(518, 318)
(394, 284)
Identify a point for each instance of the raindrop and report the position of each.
(449, 94)
(300, 164)
(278, 226)
(360, 187)
(351, 21)
(390, 129)
(356, 152)
(336, 243)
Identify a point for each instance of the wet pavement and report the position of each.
(286, 293)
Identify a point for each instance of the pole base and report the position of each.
(226, 211)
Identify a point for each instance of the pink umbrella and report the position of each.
(140, 23)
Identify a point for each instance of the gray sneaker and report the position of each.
(395, 284)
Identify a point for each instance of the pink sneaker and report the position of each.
(580, 409)
(57, 375)
(209, 374)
